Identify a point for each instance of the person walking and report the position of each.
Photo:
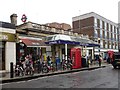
(39, 65)
(99, 60)
(48, 60)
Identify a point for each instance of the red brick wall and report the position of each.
(84, 26)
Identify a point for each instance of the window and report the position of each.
(116, 37)
(113, 29)
(117, 30)
(95, 33)
(100, 24)
(117, 45)
(109, 35)
(109, 27)
(101, 33)
(101, 43)
(105, 27)
(105, 34)
(106, 44)
(110, 45)
(113, 45)
(95, 22)
(113, 37)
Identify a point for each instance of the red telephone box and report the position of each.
(110, 54)
(76, 57)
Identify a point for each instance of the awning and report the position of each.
(65, 39)
(33, 43)
(72, 42)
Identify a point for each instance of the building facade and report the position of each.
(62, 26)
(7, 45)
(33, 30)
(99, 29)
(30, 30)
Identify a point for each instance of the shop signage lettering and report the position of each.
(35, 43)
(53, 42)
(7, 37)
(3, 37)
(83, 44)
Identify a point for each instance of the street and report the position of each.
(99, 78)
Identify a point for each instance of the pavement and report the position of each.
(5, 76)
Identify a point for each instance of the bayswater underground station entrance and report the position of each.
(63, 46)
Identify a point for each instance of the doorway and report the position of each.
(2, 59)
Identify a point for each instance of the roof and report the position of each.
(7, 25)
(65, 39)
(93, 14)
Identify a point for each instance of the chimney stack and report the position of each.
(13, 18)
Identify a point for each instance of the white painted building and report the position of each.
(7, 45)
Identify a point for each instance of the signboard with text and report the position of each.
(7, 37)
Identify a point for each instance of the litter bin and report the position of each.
(84, 63)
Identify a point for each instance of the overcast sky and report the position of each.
(62, 11)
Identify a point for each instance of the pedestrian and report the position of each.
(57, 63)
(39, 65)
(26, 61)
(69, 60)
(99, 60)
(88, 61)
(48, 60)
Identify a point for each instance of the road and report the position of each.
(99, 78)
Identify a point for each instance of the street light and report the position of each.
(99, 46)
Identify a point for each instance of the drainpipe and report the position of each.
(65, 51)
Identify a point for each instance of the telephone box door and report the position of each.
(110, 54)
(76, 57)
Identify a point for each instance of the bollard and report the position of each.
(11, 70)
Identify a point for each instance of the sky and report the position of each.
(61, 11)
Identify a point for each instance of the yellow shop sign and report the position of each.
(7, 37)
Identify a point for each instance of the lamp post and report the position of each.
(99, 46)
(79, 21)
(95, 39)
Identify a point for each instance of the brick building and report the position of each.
(63, 26)
(99, 29)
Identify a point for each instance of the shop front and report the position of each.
(30, 45)
(8, 50)
(62, 45)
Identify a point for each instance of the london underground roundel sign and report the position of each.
(24, 18)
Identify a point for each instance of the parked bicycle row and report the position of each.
(30, 67)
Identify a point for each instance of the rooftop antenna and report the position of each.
(119, 13)
(79, 20)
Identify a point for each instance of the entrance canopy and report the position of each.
(33, 42)
(65, 39)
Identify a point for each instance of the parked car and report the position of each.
(116, 60)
